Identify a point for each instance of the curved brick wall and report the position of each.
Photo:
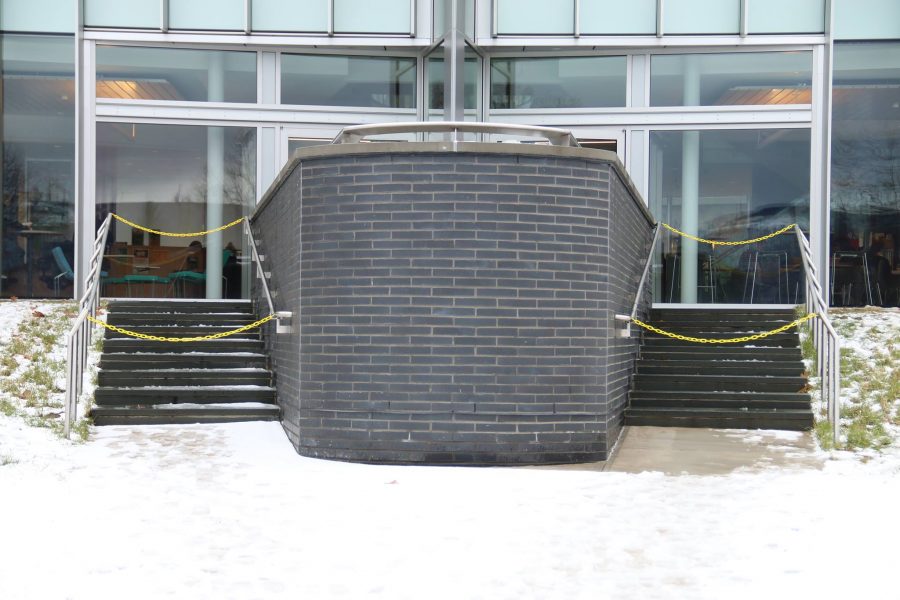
(454, 307)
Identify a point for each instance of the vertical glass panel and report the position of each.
(290, 15)
(865, 175)
(740, 78)
(436, 83)
(730, 185)
(617, 17)
(372, 16)
(702, 16)
(174, 178)
(535, 17)
(39, 16)
(329, 80)
(440, 18)
(38, 172)
(786, 16)
(866, 19)
(206, 14)
(571, 82)
(131, 73)
(115, 13)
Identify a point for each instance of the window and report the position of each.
(535, 17)
(865, 174)
(614, 17)
(290, 15)
(786, 16)
(115, 13)
(701, 16)
(372, 16)
(745, 78)
(132, 73)
(329, 80)
(224, 15)
(38, 151)
(866, 19)
(571, 82)
(168, 177)
(730, 185)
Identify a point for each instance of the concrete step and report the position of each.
(141, 361)
(184, 377)
(720, 352)
(129, 319)
(229, 345)
(147, 396)
(170, 414)
(762, 418)
(780, 340)
(720, 383)
(722, 400)
(179, 331)
(184, 306)
(715, 367)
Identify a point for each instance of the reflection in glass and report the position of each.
(571, 82)
(175, 178)
(38, 182)
(136, 73)
(330, 80)
(435, 88)
(740, 78)
(865, 175)
(372, 16)
(730, 185)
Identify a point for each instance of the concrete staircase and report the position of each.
(215, 381)
(754, 385)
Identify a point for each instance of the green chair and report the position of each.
(195, 277)
(142, 279)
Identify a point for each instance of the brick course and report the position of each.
(453, 307)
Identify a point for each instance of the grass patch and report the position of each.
(6, 459)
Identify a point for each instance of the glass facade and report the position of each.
(330, 80)
(130, 73)
(175, 178)
(573, 82)
(178, 111)
(38, 168)
(865, 175)
(730, 185)
(739, 78)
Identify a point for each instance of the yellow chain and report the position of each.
(747, 338)
(169, 234)
(201, 338)
(720, 243)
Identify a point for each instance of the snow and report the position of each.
(231, 511)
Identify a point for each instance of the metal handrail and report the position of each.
(356, 133)
(280, 316)
(78, 338)
(825, 340)
(637, 297)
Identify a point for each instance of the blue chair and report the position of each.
(64, 267)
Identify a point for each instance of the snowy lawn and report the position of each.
(231, 511)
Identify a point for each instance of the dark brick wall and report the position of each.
(453, 307)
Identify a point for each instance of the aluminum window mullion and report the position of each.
(164, 15)
(745, 12)
(248, 16)
(576, 26)
(660, 6)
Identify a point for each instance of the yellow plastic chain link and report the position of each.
(715, 243)
(746, 338)
(201, 338)
(170, 234)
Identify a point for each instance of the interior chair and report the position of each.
(66, 272)
(182, 277)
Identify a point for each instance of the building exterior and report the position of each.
(732, 117)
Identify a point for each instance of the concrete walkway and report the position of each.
(698, 451)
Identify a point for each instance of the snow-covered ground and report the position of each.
(231, 511)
